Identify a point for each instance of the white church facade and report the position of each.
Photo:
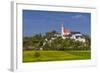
(66, 33)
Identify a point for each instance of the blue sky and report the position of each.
(35, 22)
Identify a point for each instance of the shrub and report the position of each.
(36, 54)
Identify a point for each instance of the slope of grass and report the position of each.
(38, 56)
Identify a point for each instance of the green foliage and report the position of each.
(49, 35)
(58, 43)
(36, 54)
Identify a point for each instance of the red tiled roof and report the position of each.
(67, 31)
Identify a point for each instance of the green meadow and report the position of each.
(41, 56)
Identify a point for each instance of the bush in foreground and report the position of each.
(37, 54)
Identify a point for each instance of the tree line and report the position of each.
(46, 43)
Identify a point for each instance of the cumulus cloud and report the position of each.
(77, 16)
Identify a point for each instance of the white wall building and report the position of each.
(66, 33)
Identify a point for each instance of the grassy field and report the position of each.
(39, 56)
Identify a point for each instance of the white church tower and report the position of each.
(62, 31)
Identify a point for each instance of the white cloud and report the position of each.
(77, 16)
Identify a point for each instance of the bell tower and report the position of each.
(62, 30)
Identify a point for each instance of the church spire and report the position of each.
(62, 30)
